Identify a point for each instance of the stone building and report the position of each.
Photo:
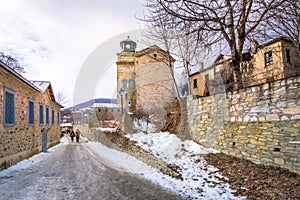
(107, 110)
(275, 60)
(144, 78)
(28, 108)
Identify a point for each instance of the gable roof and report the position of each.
(43, 86)
(281, 38)
(150, 49)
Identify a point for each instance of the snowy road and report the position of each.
(74, 172)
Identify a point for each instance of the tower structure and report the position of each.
(144, 80)
(126, 70)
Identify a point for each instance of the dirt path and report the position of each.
(73, 172)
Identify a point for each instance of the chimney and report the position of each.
(201, 66)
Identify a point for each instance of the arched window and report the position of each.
(124, 84)
(131, 84)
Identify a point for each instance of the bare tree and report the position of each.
(285, 21)
(217, 22)
(184, 46)
(12, 62)
(180, 45)
(161, 34)
(60, 98)
(189, 51)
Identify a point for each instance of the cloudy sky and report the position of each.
(68, 41)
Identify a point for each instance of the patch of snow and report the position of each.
(200, 181)
(65, 140)
(111, 130)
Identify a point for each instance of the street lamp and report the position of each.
(121, 93)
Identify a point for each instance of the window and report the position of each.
(195, 83)
(30, 112)
(268, 58)
(288, 56)
(9, 107)
(52, 116)
(41, 114)
(99, 109)
(131, 84)
(58, 117)
(47, 115)
(124, 84)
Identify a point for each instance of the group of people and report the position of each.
(76, 135)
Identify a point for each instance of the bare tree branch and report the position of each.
(12, 63)
(216, 21)
(60, 98)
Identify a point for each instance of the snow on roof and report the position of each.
(65, 124)
(107, 105)
(42, 85)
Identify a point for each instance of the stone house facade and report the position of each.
(275, 60)
(27, 108)
(144, 77)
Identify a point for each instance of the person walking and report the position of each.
(77, 135)
(72, 135)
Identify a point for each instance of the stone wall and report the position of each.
(22, 140)
(261, 123)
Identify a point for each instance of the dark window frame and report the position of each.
(288, 56)
(195, 83)
(41, 114)
(53, 116)
(58, 117)
(9, 104)
(268, 58)
(30, 112)
(47, 115)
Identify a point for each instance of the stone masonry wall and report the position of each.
(154, 83)
(22, 140)
(260, 124)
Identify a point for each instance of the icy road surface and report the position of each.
(73, 172)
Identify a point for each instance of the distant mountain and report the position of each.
(89, 103)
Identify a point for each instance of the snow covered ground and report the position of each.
(199, 180)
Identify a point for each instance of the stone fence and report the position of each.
(260, 123)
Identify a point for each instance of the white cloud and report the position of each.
(53, 38)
